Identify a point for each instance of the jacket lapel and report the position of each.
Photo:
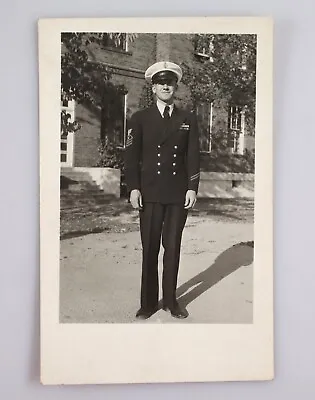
(157, 124)
(174, 123)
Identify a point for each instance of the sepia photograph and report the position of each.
(156, 199)
(157, 172)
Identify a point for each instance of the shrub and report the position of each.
(110, 155)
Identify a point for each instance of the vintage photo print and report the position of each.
(156, 199)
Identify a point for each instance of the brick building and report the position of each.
(128, 61)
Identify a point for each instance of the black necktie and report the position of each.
(166, 113)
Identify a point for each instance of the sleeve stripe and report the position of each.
(194, 176)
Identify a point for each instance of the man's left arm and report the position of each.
(193, 163)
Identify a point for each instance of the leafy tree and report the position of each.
(227, 70)
(89, 82)
(83, 80)
(146, 98)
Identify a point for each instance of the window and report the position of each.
(113, 118)
(244, 57)
(117, 41)
(204, 46)
(236, 127)
(63, 145)
(241, 57)
(204, 113)
(235, 118)
(121, 135)
(125, 121)
(66, 141)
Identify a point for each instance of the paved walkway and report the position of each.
(100, 275)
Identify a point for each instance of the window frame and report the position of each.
(69, 139)
(209, 126)
(124, 133)
(238, 115)
(238, 131)
(120, 49)
(207, 52)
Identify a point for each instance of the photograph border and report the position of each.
(147, 353)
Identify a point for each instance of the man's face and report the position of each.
(165, 90)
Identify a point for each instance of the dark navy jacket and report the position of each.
(162, 160)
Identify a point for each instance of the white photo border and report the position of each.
(148, 353)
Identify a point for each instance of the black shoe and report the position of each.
(145, 314)
(176, 311)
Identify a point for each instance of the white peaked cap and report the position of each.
(163, 66)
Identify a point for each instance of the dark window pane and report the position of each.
(63, 157)
(115, 42)
(63, 145)
(112, 118)
(235, 118)
(204, 44)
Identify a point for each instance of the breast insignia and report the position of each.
(129, 138)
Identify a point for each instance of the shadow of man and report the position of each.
(239, 255)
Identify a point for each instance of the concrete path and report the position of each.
(100, 275)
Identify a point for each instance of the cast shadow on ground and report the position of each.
(70, 235)
(241, 254)
(65, 182)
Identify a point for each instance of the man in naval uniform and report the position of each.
(162, 176)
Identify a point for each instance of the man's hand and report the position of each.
(190, 200)
(136, 199)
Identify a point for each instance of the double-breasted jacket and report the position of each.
(162, 157)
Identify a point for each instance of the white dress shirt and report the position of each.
(161, 105)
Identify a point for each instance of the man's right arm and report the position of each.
(133, 159)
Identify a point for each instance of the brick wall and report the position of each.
(163, 47)
(140, 55)
(220, 115)
(130, 66)
(129, 70)
(86, 140)
(249, 142)
(182, 51)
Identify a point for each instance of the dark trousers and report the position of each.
(166, 222)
